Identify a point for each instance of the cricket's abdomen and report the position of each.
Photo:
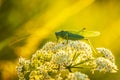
(75, 37)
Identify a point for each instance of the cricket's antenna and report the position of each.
(82, 30)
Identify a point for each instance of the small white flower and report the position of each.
(21, 60)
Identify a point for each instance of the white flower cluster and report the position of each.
(77, 76)
(106, 54)
(63, 61)
(105, 65)
(61, 58)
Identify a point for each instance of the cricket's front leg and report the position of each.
(57, 38)
(66, 37)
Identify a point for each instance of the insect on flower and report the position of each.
(80, 35)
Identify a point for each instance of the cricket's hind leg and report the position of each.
(93, 48)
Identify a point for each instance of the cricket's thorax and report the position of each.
(68, 35)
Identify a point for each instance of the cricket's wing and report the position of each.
(89, 33)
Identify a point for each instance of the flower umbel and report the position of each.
(61, 61)
(106, 54)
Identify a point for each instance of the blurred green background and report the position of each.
(26, 25)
